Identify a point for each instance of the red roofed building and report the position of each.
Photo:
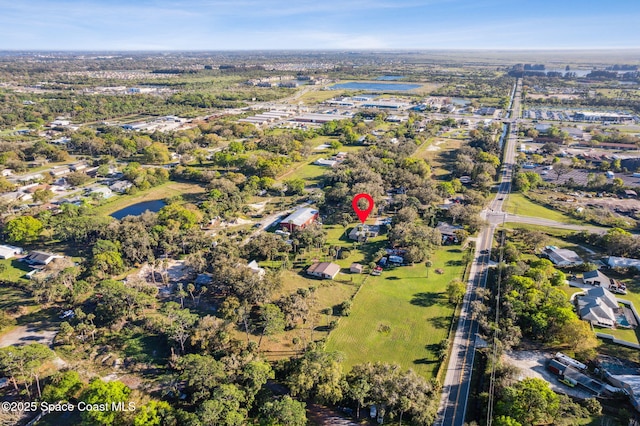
(301, 218)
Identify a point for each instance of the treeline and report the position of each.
(532, 305)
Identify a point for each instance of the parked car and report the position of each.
(67, 314)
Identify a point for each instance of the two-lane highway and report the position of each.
(453, 405)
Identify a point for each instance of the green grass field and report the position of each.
(13, 271)
(518, 204)
(401, 316)
(166, 190)
(317, 96)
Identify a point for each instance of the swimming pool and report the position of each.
(622, 320)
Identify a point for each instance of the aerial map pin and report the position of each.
(362, 214)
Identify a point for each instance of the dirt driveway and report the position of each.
(38, 332)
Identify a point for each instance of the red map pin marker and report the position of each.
(362, 214)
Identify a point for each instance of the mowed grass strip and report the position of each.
(401, 316)
(522, 206)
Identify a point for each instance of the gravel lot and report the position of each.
(534, 364)
(32, 333)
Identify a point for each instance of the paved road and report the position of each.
(453, 405)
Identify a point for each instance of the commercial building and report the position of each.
(301, 218)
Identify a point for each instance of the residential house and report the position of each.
(78, 166)
(7, 251)
(325, 162)
(599, 307)
(253, 265)
(596, 278)
(121, 186)
(448, 232)
(59, 171)
(301, 218)
(101, 191)
(562, 257)
(622, 262)
(363, 232)
(40, 258)
(324, 270)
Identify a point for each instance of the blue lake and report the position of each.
(378, 87)
(139, 208)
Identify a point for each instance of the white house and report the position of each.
(622, 262)
(253, 265)
(101, 191)
(7, 251)
(562, 257)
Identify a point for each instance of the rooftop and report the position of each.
(300, 216)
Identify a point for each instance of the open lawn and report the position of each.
(160, 192)
(401, 316)
(438, 152)
(310, 172)
(519, 204)
(13, 271)
(621, 333)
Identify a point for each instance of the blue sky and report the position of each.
(317, 24)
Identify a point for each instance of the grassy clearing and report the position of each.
(518, 204)
(438, 152)
(159, 192)
(13, 271)
(401, 316)
(310, 172)
(317, 96)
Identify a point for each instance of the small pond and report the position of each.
(139, 208)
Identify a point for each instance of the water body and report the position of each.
(139, 208)
(390, 77)
(377, 87)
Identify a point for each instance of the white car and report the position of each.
(67, 314)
